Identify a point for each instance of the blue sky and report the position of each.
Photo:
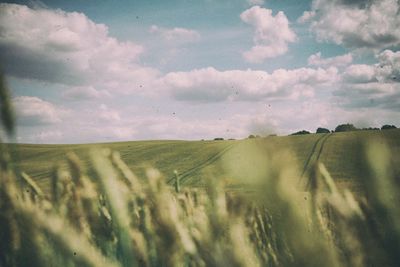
(94, 71)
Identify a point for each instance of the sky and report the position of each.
(100, 71)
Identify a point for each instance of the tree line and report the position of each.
(346, 128)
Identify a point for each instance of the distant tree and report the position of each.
(251, 136)
(387, 127)
(322, 130)
(272, 135)
(301, 132)
(218, 139)
(345, 128)
(370, 129)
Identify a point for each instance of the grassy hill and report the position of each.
(235, 161)
(119, 221)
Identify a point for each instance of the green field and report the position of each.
(95, 212)
(232, 160)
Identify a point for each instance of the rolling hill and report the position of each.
(235, 161)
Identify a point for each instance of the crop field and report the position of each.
(229, 160)
(81, 205)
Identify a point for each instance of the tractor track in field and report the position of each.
(186, 174)
(314, 156)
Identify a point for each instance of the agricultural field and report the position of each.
(81, 205)
(232, 161)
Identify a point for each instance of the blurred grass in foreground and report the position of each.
(112, 218)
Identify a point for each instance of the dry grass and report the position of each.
(115, 219)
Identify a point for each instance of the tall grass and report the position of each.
(112, 218)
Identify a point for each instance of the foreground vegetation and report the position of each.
(115, 219)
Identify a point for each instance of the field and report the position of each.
(229, 160)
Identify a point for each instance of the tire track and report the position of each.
(322, 145)
(318, 146)
(186, 174)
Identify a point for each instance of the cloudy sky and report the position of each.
(94, 71)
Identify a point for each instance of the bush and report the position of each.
(388, 127)
(218, 139)
(322, 130)
(345, 128)
(370, 129)
(301, 132)
(251, 136)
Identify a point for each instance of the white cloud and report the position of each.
(84, 93)
(272, 34)
(387, 70)
(307, 16)
(372, 86)
(176, 35)
(177, 128)
(360, 73)
(107, 114)
(371, 24)
(389, 65)
(356, 85)
(262, 118)
(67, 48)
(47, 136)
(34, 111)
(338, 61)
(375, 96)
(211, 85)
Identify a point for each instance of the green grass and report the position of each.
(230, 160)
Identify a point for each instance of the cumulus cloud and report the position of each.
(389, 65)
(84, 93)
(360, 73)
(272, 34)
(178, 128)
(141, 127)
(338, 61)
(34, 111)
(107, 114)
(370, 95)
(373, 24)
(67, 48)
(176, 35)
(376, 86)
(387, 70)
(211, 85)
(307, 15)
